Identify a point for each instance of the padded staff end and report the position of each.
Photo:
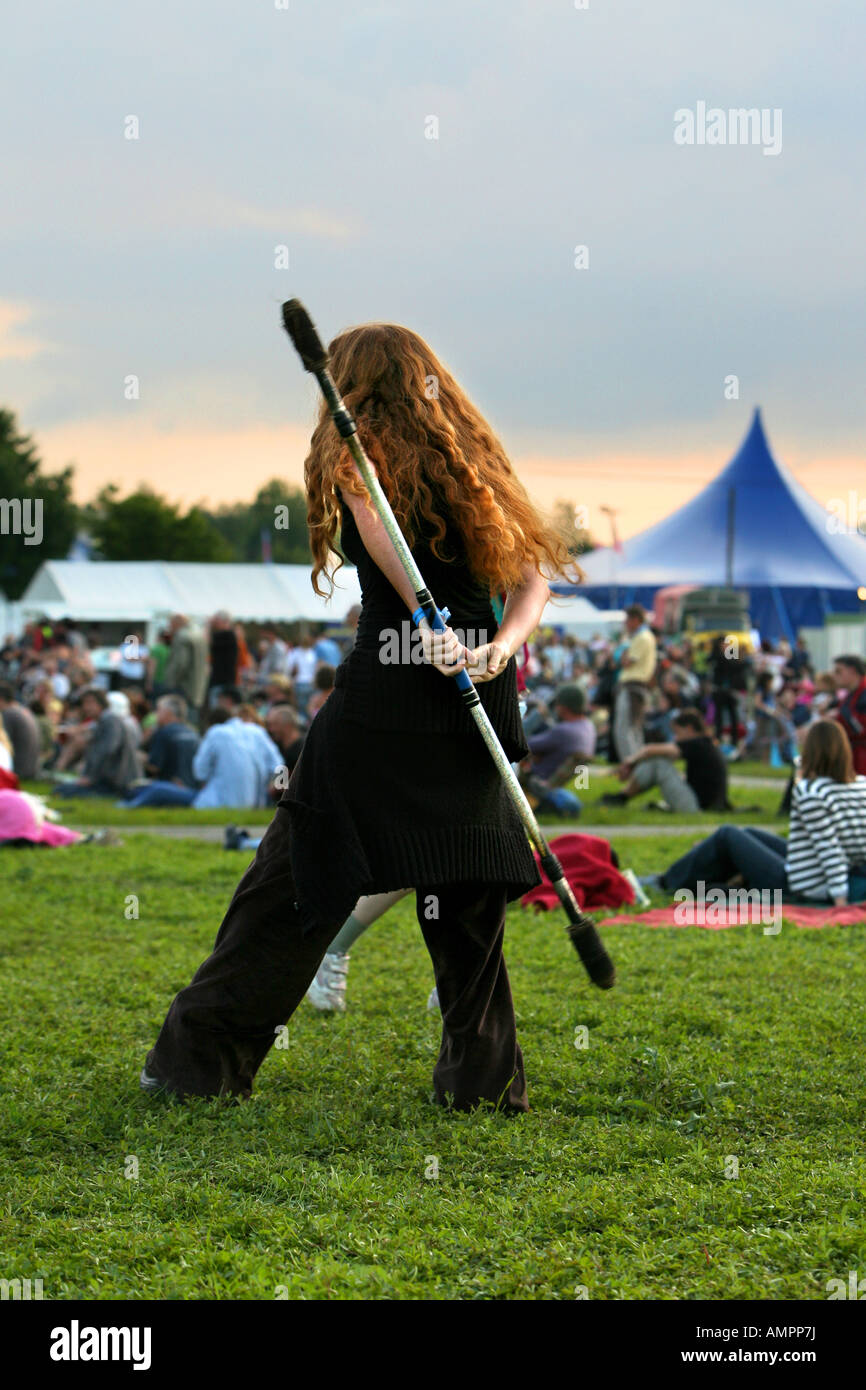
(586, 941)
(302, 332)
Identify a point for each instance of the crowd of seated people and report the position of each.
(823, 858)
(216, 717)
(654, 702)
(194, 719)
(707, 710)
(757, 706)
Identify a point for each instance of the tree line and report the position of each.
(140, 526)
(143, 525)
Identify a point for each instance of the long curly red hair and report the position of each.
(427, 441)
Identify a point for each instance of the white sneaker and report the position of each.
(433, 1001)
(328, 990)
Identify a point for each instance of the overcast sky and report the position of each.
(307, 127)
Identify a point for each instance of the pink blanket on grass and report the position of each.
(677, 916)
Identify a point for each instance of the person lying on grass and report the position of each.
(27, 823)
(823, 859)
(705, 785)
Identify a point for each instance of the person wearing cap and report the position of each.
(572, 735)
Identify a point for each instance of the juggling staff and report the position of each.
(581, 929)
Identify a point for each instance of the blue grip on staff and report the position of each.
(437, 620)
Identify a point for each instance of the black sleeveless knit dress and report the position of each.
(395, 787)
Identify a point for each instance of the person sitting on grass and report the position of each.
(823, 859)
(7, 776)
(570, 737)
(657, 725)
(22, 731)
(786, 705)
(25, 823)
(172, 746)
(110, 761)
(281, 722)
(281, 725)
(556, 750)
(235, 765)
(705, 785)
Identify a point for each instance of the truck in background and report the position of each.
(700, 615)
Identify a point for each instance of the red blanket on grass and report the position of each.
(740, 916)
(588, 866)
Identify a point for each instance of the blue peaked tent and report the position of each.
(755, 527)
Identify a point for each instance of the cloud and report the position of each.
(16, 346)
(308, 221)
(306, 127)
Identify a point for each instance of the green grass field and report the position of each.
(757, 804)
(755, 769)
(705, 1144)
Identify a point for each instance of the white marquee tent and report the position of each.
(150, 590)
(579, 617)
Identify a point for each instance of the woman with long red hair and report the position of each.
(394, 785)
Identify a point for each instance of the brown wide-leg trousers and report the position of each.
(219, 1029)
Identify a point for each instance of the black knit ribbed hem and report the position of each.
(407, 858)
